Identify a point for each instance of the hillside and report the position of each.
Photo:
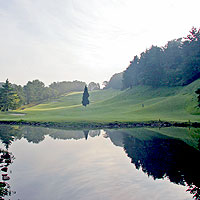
(175, 64)
(141, 103)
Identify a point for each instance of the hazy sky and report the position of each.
(86, 40)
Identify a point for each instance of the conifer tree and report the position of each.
(85, 97)
(8, 97)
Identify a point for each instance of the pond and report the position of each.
(135, 164)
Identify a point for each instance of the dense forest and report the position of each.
(13, 96)
(175, 64)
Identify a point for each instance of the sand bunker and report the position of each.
(17, 114)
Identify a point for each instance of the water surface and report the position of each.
(130, 164)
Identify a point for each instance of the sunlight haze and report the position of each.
(86, 40)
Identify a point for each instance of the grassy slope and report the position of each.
(170, 104)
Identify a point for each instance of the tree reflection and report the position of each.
(161, 158)
(199, 144)
(34, 134)
(86, 132)
(94, 133)
(195, 191)
(7, 135)
(6, 158)
(157, 155)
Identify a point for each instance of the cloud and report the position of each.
(88, 40)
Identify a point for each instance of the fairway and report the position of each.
(141, 103)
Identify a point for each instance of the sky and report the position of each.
(88, 40)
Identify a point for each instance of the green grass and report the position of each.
(164, 103)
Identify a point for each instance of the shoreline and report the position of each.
(98, 125)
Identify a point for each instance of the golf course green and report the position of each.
(139, 104)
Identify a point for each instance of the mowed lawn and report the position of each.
(141, 103)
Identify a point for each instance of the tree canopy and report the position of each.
(177, 63)
(36, 91)
(93, 86)
(115, 81)
(13, 96)
(8, 97)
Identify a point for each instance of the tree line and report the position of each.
(175, 64)
(13, 96)
(115, 82)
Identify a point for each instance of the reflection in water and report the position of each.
(165, 158)
(6, 159)
(86, 132)
(158, 156)
(8, 134)
(162, 157)
(199, 144)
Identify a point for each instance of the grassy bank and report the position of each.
(165, 103)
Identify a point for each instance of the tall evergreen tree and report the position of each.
(8, 98)
(85, 97)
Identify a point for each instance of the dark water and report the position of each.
(135, 164)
